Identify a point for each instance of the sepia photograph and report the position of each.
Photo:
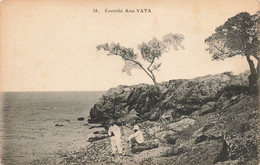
(88, 82)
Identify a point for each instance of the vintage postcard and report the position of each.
(129, 82)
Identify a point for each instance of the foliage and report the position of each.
(239, 35)
(150, 51)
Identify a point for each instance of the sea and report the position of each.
(43, 125)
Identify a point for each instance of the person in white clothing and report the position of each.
(136, 138)
(115, 134)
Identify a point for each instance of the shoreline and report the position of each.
(203, 137)
(100, 152)
(57, 156)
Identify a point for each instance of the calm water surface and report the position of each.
(36, 125)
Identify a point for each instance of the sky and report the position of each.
(51, 45)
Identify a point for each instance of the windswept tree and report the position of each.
(149, 51)
(239, 35)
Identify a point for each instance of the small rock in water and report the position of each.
(96, 138)
(100, 132)
(96, 126)
(58, 125)
(81, 119)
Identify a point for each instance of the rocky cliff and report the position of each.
(206, 120)
(130, 104)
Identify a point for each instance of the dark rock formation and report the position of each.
(100, 132)
(81, 119)
(206, 120)
(182, 97)
(97, 137)
(59, 125)
(146, 146)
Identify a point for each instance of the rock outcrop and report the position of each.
(206, 120)
(180, 97)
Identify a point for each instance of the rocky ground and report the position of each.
(207, 120)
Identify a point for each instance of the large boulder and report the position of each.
(167, 116)
(206, 152)
(162, 135)
(151, 129)
(130, 118)
(120, 93)
(145, 146)
(181, 125)
(118, 102)
(199, 89)
(208, 108)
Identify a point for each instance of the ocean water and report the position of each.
(40, 125)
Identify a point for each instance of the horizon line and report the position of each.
(58, 91)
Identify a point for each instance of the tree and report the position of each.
(150, 51)
(239, 35)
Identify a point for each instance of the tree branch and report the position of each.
(225, 53)
(151, 63)
(136, 62)
(163, 49)
(148, 68)
(141, 66)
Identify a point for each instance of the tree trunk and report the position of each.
(257, 77)
(252, 83)
(154, 81)
(251, 65)
(253, 76)
(157, 88)
(258, 69)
